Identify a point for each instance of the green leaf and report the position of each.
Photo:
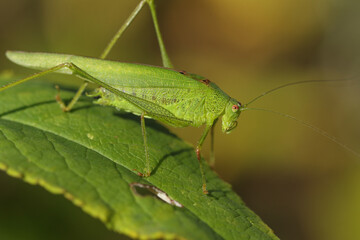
(88, 156)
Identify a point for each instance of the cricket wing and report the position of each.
(116, 74)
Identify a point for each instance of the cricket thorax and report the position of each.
(232, 112)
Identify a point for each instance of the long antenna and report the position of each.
(296, 83)
(316, 129)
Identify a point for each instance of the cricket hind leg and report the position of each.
(36, 75)
(164, 56)
(128, 21)
(212, 139)
(122, 29)
(75, 71)
(64, 107)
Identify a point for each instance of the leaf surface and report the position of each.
(88, 156)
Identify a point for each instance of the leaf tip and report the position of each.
(14, 173)
(3, 166)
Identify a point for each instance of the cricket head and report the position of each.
(232, 112)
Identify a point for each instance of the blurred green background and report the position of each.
(300, 183)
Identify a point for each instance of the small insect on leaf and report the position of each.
(151, 191)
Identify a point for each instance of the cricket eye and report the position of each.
(235, 108)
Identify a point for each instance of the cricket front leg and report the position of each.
(212, 139)
(198, 154)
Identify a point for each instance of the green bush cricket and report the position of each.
(176, 98)
(164, 94)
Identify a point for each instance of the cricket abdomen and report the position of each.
(192, 105)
